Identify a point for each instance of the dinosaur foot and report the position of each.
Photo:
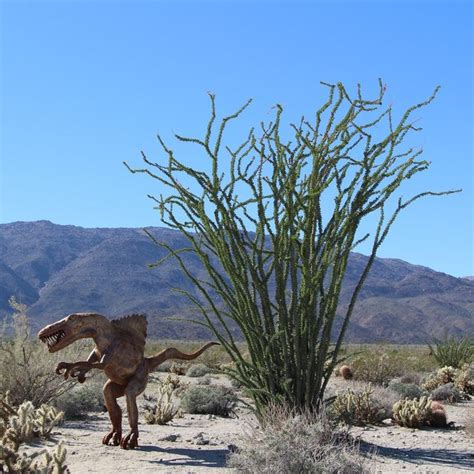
(130, 441)
(115, 436)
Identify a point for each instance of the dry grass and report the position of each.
(381, 363)
(27, 368)
(287, 442)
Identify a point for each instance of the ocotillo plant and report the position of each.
(263, 211)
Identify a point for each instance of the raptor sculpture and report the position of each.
(119, 352)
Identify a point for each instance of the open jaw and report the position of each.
(52, 338)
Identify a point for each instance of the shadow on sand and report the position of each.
(441, 457)
(189, 457)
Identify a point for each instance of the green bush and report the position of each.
(453, 352)
(197, 370)
(210, 399)
(165, 366)
(378, 368)
(447, 393)
(302, 443)
(406, 390)
(82, 399)
(26, 366)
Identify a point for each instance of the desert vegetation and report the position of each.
(405, 396)
(34, 400)
(274, 255)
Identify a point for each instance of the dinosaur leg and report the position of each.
(135, 386)
(112, 391)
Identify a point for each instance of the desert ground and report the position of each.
(201, 443)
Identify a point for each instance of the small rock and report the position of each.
(232, 448)
(171, 437)
(201, 439)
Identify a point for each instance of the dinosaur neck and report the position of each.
(103, 333)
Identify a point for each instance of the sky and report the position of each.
(86, 85)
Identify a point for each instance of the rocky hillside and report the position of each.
(57, 270)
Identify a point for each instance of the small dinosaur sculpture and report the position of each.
(119, 352)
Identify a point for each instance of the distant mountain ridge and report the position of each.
(57, 270)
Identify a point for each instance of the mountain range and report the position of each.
(56, 270)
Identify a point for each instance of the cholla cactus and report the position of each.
(46, 418)
(29, 422)
(162, 410)
(442, 376)
(413, 413)
(15, 462)
(22, 424)
(358, 408)
(464, 379)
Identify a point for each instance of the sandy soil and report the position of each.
(201, 443)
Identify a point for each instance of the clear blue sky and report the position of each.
(86, 85)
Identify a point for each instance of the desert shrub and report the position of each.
(197, 370)
(270, 254)
(26, 367)
(178, 368)
(161, 409)
(406, 390)
(286, 442)
(440, 377)
(385, 398)
(378, 368)
(358, 408)
(82, 398)
(412, 378)
(206, 380)
(24, 423)
(212, 400)
(462, 379)
(165, 366)
(453, 352)
(447, 393)
(418, 413)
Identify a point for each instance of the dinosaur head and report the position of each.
(76, 326)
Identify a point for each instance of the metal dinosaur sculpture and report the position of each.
(119, 352)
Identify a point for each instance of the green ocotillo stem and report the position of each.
(275, 252)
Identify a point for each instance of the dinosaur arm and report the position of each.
(80, 368)
(173, 353)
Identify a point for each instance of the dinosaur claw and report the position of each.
(62, 366)
(130, 441)
(115, 436)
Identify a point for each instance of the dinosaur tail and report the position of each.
(172, 353)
